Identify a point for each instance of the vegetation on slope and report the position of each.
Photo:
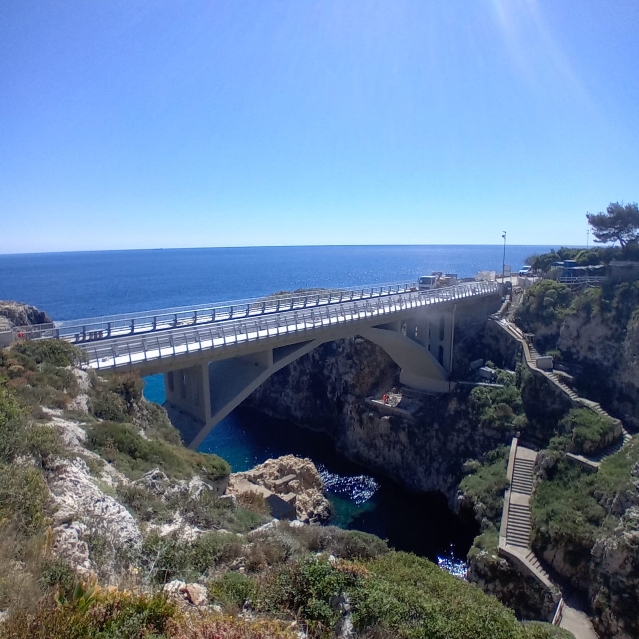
(282, 573)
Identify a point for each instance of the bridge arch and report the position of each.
(225, 384)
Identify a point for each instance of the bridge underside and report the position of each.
(200, 396)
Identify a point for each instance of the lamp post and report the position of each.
(503, 263)
(587, 237)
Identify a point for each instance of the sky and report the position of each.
(155, 123)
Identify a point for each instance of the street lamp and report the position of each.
(503, 264)
(587, 237)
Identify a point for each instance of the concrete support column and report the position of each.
(188, 390)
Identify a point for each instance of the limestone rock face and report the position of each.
(18, 314)
(291, 478)
(614, 579)
(187, 595)
(82, 509)
(608, 357)
(515, 589)
(326, 390)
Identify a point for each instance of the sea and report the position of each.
(76, 285)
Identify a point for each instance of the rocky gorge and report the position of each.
(111, 529)
(122, 498)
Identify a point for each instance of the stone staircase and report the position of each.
(516, 525)
(531, 355)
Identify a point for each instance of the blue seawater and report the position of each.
(77, 285)
(87, 284)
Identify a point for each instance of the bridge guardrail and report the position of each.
(105, 327)
(129, 350)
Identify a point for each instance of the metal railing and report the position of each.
(583, 279)
(559, 613)
(130, 350)
(106, 327)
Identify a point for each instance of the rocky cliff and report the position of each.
(424, 450)
(605, 355)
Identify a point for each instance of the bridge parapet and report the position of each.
(112, 326)
(139, 351)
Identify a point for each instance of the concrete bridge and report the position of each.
(213, 357)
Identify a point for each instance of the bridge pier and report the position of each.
(188, 389)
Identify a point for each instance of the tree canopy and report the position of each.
(618, 224)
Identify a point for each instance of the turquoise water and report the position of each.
(360, 500)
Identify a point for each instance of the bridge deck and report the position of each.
(127, 350)
(98, 328)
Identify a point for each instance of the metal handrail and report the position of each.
(559, 613)
(128, 350)
(97, 328)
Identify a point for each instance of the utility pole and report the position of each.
(503, 263)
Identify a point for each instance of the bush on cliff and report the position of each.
(411, 597)
(486, 484)
(119, 398)
(566, 515)
(51, 351)
(588, 431)
(122, 445)
(544, 304)
(499, 408)
(110, 615)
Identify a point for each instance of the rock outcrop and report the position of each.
(18, 314)
(514, 588)
(292, 479)
(84, 514)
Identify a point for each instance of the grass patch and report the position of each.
(169, 557)
(589, 432)
(565, 512)
(210, 511)
(486, 484)
(132, 454)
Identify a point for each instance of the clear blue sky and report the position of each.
(156, 123)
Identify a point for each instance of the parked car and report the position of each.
(525, 270)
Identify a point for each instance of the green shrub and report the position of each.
(308, 587)
(488, 542)
(209, 511)
(545, 303)
(346, 544)
(615, 476)
(565, 513)
(143, 502)
(232, 588)
(412, 598)
(496, 407)
(58, 575)
(170, 557)
(51, 351)
(486, 485)
(113, 615)
(23, 498)
(134, 455)
(9, 408)
(109, 407)
(539, 630)
(589, 431)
